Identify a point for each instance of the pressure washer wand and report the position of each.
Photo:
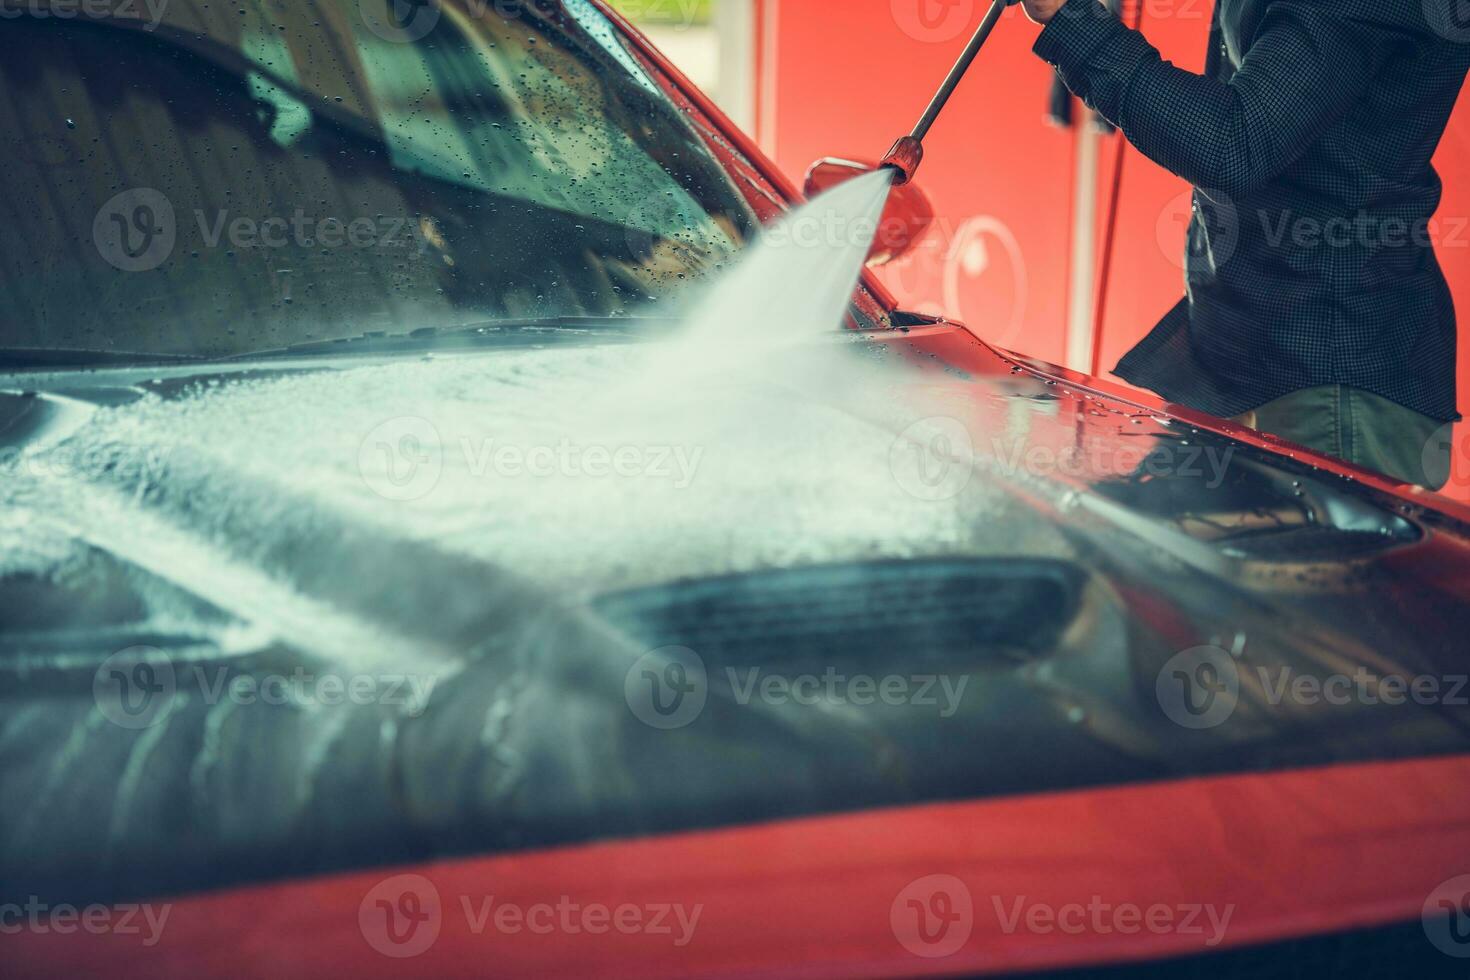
(908, 152)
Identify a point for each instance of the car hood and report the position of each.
(500, 549)
(581, 469)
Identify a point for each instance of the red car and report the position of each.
(372, 600)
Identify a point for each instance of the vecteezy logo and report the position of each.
(402, 459)
(933, 916)
(1450, 19)
(136, 230)
(1207, 225)
(399, 21)
(667, 688)
(401, 917)
(134, 688)
(1199, 687)
(986, 278)
(933, 21)
(1447, 917)
(931, 459)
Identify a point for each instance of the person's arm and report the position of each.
(1309, 62)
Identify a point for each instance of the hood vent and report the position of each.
(934, 610)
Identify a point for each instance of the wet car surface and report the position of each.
(451, 467)
(191, 532)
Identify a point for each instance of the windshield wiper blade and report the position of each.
(67, 357)
(466, 336)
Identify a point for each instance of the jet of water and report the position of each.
(791, 287)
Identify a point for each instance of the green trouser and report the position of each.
(1362, 428)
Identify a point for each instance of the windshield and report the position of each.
(236, 177)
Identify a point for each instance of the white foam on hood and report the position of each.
(492, 452)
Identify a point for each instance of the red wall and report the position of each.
(848, 79)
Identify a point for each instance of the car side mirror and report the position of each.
(905, 220)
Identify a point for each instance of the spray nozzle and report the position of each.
(904, 160)
(908, 152)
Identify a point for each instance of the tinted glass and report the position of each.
(229, 178)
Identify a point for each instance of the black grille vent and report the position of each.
(924, 610)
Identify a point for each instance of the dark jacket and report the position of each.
(1308, 138)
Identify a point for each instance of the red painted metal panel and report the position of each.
(1286, 855)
